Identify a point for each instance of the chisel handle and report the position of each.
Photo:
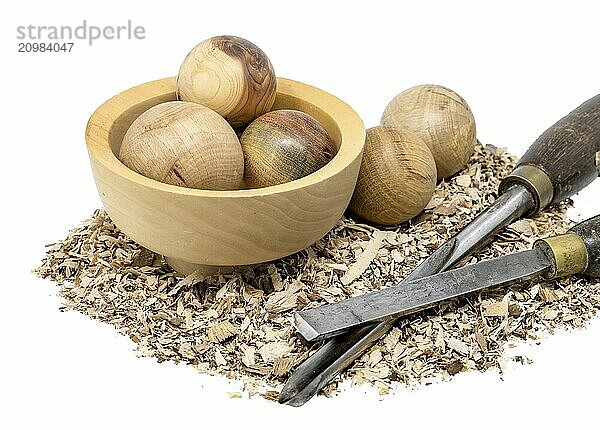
(577, 251)
(564, 159)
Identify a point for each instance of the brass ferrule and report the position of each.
(535, 180)
(567, 253)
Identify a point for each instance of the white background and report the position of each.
(520, 65)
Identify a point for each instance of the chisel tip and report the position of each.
(285, 396)
(288, 395)
(304, 328)
(297, 391)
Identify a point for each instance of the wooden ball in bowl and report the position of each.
(397, 177)
(230, 75)
(441, 118)
(184, 144)
(282, 146)
(194, 227)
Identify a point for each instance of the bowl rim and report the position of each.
(349, 123)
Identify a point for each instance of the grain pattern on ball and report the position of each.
(441, 118)
(230, 75)
(397, 176)
(184, 144)
(282, 146)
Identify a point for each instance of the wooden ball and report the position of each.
(441, 118)
(284, 145)
(184, 144)
(230, 75)
(397, 176)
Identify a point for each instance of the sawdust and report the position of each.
(240, 325)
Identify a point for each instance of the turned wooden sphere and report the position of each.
(184, 144)
(230, 75)
(397, 176)
(441, 118)
(284, 145)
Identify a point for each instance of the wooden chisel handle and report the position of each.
(564, 159)
(577, 251)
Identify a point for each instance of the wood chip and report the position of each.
(454, 367)
(363, 261)
(283, 365)
(457, 345)
(285, 300)
(463, 180)
(522, 226)
(495, 309)
(221, 331)
(273, 350)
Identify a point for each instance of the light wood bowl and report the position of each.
(197, 228)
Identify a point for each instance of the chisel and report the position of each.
(576, 252)
(561, 162)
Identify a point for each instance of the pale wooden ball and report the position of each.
(441, 118)
(230, 75)
(184, 144)
(397, 176)
(284, 145)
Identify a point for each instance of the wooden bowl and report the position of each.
(198, 228)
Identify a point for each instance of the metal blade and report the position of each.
(339, 352)
(410, 297)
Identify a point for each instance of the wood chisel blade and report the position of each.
(408, 297)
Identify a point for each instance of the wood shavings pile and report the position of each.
(240, 325)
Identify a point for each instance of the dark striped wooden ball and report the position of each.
(282, 146)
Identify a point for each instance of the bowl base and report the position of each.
(185, 268)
